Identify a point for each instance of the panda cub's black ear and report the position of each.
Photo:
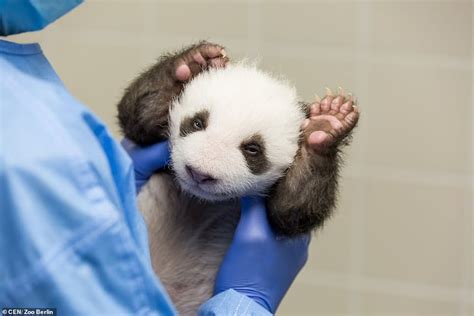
(141, 118)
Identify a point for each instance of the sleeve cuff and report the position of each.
(231, 302)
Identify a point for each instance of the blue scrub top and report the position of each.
(71, 236)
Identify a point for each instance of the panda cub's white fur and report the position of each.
(242, 101)
(191, 223)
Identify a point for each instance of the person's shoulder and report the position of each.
(34, 135)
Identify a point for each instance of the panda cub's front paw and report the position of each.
(198, 58)
(330, 121)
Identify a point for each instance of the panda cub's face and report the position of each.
(233, 132)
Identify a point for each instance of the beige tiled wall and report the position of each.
(401, 242)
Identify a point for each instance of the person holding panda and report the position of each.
(71, 235)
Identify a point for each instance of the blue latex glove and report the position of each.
(259, 263)
(146, 160)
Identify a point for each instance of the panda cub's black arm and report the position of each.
(143, 110)
(306, 195)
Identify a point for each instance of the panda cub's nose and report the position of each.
(198, 176)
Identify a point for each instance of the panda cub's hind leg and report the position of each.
(144, 108)
(306, 195)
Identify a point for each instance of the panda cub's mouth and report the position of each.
(199, 177)
(203, 191)
(201, 184)
(200, 191)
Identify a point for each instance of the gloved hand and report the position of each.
(259, 263)
(146, 160)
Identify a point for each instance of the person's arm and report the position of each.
(65, 241)
(231, 302)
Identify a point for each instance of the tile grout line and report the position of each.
(412, 176)
(253, 27)
(357, 283)
(468, 277)
(412, 60)
(358, 225)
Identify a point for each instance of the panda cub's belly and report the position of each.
(188, 239)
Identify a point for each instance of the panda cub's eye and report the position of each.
(197, 124)
(252, 149)
(254, 152)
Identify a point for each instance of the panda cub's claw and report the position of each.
(340, 91)
(328, 92)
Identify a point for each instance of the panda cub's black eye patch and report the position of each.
(197, 122)
(253, 150)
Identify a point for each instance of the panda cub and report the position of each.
(233, 130)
